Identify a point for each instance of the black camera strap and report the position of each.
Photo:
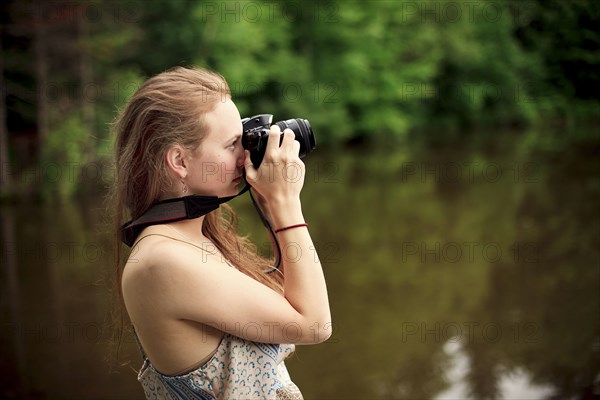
(172, 210)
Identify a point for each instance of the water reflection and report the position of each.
(516, 384)
(462, 271)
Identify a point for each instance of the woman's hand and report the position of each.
(262, 204)
(280, 176)
(213, 293)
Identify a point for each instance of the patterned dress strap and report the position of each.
(139, 344)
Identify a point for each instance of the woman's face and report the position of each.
(215, 168)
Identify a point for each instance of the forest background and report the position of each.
(362, 72)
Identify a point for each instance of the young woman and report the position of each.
(212, 321)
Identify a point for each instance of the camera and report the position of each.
(256, 133)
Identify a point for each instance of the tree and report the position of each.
(5, 166)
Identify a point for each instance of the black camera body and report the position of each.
(256, 133)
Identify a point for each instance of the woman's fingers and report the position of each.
(249, 167)
(273, 140)
(288, 139)
(281, 173)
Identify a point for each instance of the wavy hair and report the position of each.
(167, 109)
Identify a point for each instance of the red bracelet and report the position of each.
(285, 228)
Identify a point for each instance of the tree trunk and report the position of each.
(41, 75)
(5, 166)
(88, 89)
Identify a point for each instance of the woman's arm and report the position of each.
(279, 181)
(178, 281)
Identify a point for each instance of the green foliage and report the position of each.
(372, 71)
(482, 75)
(167, 33)
(563, 39)
(120, 85)
(63, 157)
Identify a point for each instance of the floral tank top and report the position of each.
(239, 369)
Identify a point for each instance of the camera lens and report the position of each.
(303, 133)
(255, 135)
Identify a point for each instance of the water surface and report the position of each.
(456, 271)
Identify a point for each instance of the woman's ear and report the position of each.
(176, 161)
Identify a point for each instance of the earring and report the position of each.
(185, 188)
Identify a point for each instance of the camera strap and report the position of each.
(172, 210)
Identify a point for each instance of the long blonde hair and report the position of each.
(169, 109)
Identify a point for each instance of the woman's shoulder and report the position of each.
(157, 255)
(152, 248)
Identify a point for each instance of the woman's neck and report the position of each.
(190, 228)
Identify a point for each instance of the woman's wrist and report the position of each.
(287, 228)
(285, 213)
(262, 204)
(284, 202)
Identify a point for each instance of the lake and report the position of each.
(454, 271)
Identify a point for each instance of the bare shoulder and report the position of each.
(167, 280)
(160, 269)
